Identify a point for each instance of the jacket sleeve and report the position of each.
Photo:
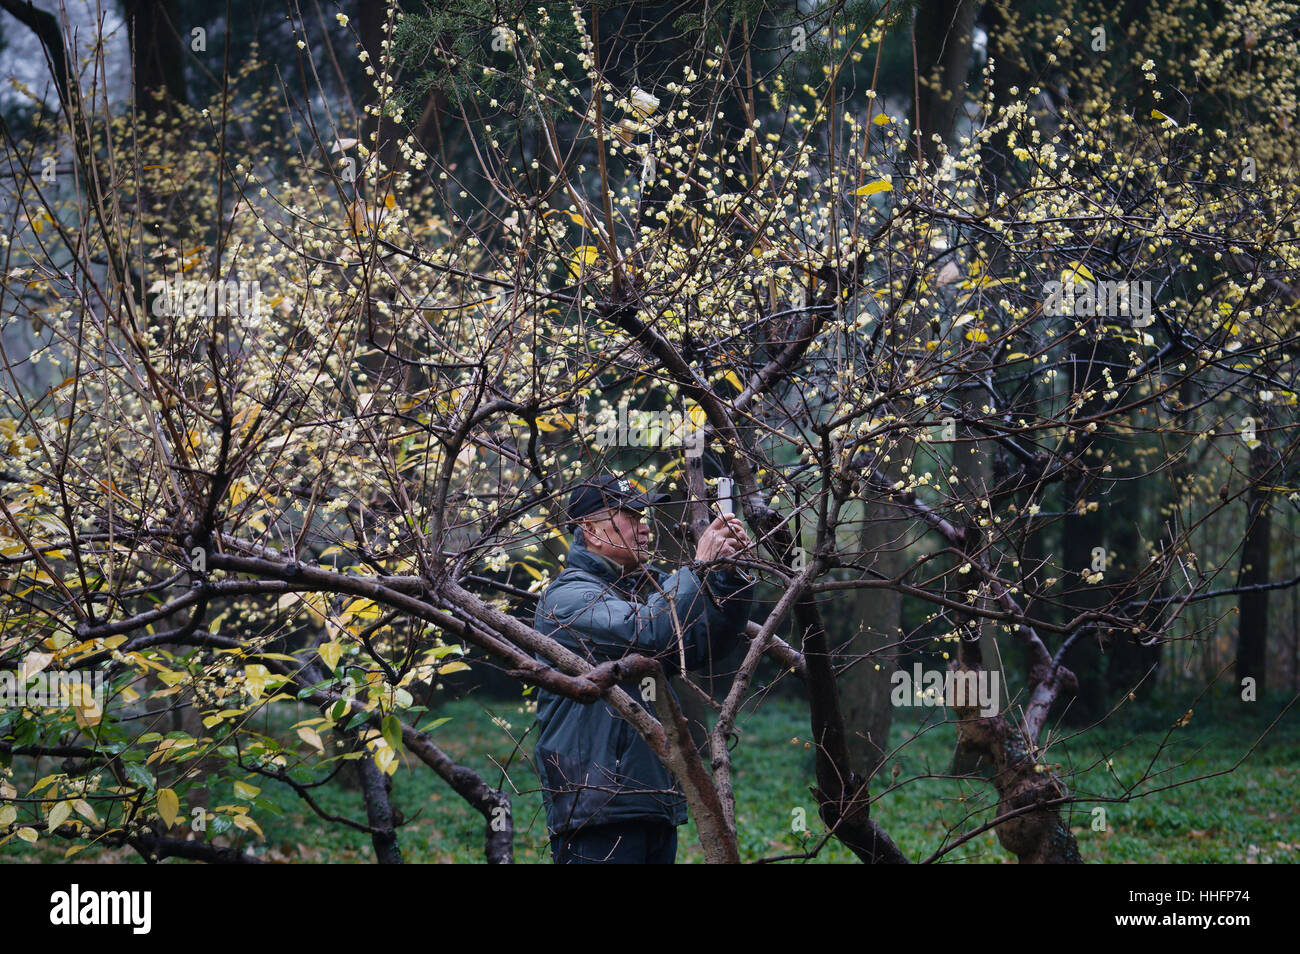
(590, 618)
(722, 626)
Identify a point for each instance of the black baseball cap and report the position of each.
(609, 491)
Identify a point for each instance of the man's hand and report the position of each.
(724, 537)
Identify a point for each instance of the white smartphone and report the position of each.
(725, 503)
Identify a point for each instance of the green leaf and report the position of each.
(140, 775)
(304, 693)
(392, 730)
(356, 721)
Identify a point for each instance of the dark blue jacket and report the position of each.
(595, 768)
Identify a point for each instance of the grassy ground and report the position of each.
(1246, 814)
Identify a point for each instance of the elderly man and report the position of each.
(608, 797)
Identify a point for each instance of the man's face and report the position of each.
(621, 535)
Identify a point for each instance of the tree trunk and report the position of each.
(379, 811)
(372, 20)
(941, 35)
(1252, 631)
(156, 54)
(864, 689)
(1004, 51)
(1036, 835)
(1130, 658)
(842, 794)
(1083, 531)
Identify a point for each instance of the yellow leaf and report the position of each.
(882, 120)
(976, 335)
(531, 571)
(451, 667)
(357, 217)
(579, 220)
(871, 188)
(244, 418)
(60, 641)
(331, 652)
(168, 806)
(244, 790)
(7, 815)
(240, 490)
(361, 609)
(984, 281)
(44, 781)
(583, 256)
(669, 471)
(244, 823)
(732, 378)
(88, 716)
(58, 815)
(32, 664)
(556, 421)
(28, 835)
(385, 759)
(627, 129)
(1074, 271)
(255, 677)
(311, 737)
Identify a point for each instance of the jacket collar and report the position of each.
(580, 558)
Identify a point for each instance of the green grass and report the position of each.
(1246, 815)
